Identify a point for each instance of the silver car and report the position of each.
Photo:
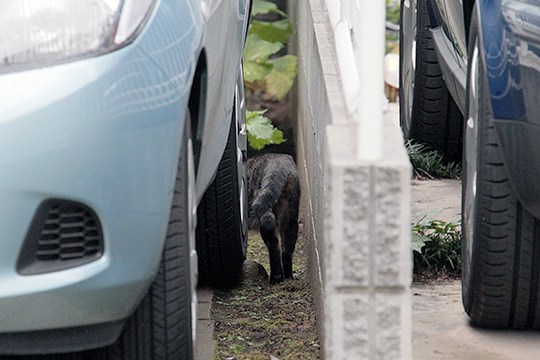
(119, 122)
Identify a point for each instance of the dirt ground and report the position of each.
(259, 321)
(436, 199)
(441, 329)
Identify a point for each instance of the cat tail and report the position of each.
(267, 197)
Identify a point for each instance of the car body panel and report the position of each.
(452, 68)
(510, 33)
(101, 123)
(451, 13)
(501, 63)
(515, 92)
(106, 132)
(446, 40)
(219, 108)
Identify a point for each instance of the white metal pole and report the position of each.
(370, 32)
(334, 11)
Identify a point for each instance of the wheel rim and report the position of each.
(408, 70)
(192, 225)
(471, 163)
(241, 156)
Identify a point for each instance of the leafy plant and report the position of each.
(265, 7)
(428, 163)
(392, 11)
(263, 70)
(436, 246)
(392, 16)
(260, 130)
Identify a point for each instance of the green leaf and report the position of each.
(255, 72)
(259, 50)
(281, 78)
(418, 242)
(277, 137)
(253, 114)
(276, 31)
(260, 130)
(265, 7)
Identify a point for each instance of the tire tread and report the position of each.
(436, 121)
(219, 236)
(503, 285)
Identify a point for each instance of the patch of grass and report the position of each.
(257, 320)
(437, 248)
(429, 163)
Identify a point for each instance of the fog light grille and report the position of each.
(63, 234)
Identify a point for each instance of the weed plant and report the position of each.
(436, 248)
(392, 11)
(265, 70)
(392, 15)
(259, 321)
(429, 163)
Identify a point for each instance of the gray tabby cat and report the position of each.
(274, 196)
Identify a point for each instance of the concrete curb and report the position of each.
(205, 325)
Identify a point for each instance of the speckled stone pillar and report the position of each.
(367, 250)
(356, 213)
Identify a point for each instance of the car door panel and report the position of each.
(223, 70)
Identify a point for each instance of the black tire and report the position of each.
(428, 114)
(161, 327)
(221, 235)
(501, 240)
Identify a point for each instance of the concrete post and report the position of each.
(356, 183)
(369, 31)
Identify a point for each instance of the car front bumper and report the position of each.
(104, 132)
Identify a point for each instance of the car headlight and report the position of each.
(43, 32)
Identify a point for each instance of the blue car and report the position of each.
(470, 81)
(121, 123)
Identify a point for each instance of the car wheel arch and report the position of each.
(197, 105)
(468, 6)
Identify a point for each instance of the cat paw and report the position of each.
(276, 278)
